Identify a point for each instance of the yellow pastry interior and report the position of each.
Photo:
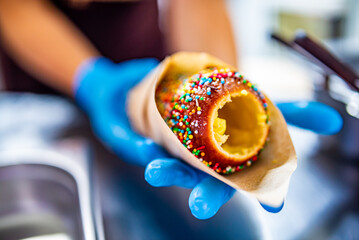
(240, 125)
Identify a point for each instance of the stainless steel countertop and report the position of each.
(321, 202)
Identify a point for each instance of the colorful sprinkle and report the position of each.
(180, 109)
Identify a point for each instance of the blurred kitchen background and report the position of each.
(58, 182)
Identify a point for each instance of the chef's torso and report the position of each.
(119, 29)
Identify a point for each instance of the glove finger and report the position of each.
(313, 116)
(169, 172)
(208, 196)
(271, 208)
(133, 71)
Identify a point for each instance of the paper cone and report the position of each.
(267, 179)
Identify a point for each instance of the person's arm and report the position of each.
(43, 41)
(200, 25)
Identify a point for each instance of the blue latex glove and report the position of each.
(209, 194)
(101, 88)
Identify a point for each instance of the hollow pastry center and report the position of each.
(240, 127)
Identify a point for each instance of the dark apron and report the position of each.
(120, 31)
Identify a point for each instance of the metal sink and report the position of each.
(43, 193)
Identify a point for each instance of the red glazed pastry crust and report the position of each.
(191, 110)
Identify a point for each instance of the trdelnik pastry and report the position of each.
(218, 115)
(204, 112)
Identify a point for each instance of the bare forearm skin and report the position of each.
(201, 25)
(43, 41)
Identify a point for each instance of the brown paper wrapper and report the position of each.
(267, 179)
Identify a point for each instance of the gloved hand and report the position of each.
(100, 89)
(208, 193)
